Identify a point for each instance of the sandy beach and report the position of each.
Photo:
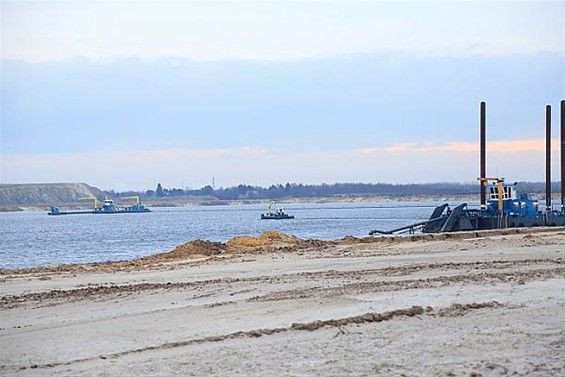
(468, 304)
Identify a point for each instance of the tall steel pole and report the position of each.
(563, 156)
(483, 135)
(548, 158)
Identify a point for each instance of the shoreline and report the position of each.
(269, 242)
(210, 202)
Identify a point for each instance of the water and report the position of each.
(34, 239)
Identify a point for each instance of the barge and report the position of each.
(108, 207)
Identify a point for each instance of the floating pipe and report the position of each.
(484, 153)
(548, 158)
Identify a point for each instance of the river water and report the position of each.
(32, 238)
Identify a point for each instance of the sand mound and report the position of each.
(196, 247)
(266, 241)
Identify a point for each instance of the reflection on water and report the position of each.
(34, 239)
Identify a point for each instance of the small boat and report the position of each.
(275, 214)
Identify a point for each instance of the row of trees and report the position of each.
(299, 190)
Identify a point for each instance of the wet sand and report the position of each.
(489, 303)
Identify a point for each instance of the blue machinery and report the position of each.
(504, 208)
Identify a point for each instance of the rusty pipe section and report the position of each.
(483, 136)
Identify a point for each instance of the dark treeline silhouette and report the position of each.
(299, 190)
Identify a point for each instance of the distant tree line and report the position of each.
(299, 190)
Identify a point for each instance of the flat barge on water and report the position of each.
(108, 207)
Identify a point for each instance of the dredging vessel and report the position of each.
(108, 207)
(504, 207)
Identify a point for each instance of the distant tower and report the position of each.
(213, 183)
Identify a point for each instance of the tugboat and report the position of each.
(277, 214)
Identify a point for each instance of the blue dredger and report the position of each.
(504, 207)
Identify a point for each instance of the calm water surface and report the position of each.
(35, 239)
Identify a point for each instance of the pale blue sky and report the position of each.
(125, 94)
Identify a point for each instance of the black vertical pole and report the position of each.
(483, 154)
(548, 158)
(563, 156)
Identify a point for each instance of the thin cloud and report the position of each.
(504, 146)
(255, 151)
(500, 146)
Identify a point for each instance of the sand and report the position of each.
(465, 304)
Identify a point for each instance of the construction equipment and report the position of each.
(499, 194)
(504, 208)
(108, 206)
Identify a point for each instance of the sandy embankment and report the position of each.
(461, 304)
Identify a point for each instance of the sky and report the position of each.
(125, 95)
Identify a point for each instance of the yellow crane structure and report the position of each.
(136, 198)
(500, 190)
(93, 198)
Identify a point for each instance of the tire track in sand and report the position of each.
(371, 317)
(54, 297)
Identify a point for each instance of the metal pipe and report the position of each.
(563, 156)
(484, 154)
(548, 158)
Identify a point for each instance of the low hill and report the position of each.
(45, 194)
